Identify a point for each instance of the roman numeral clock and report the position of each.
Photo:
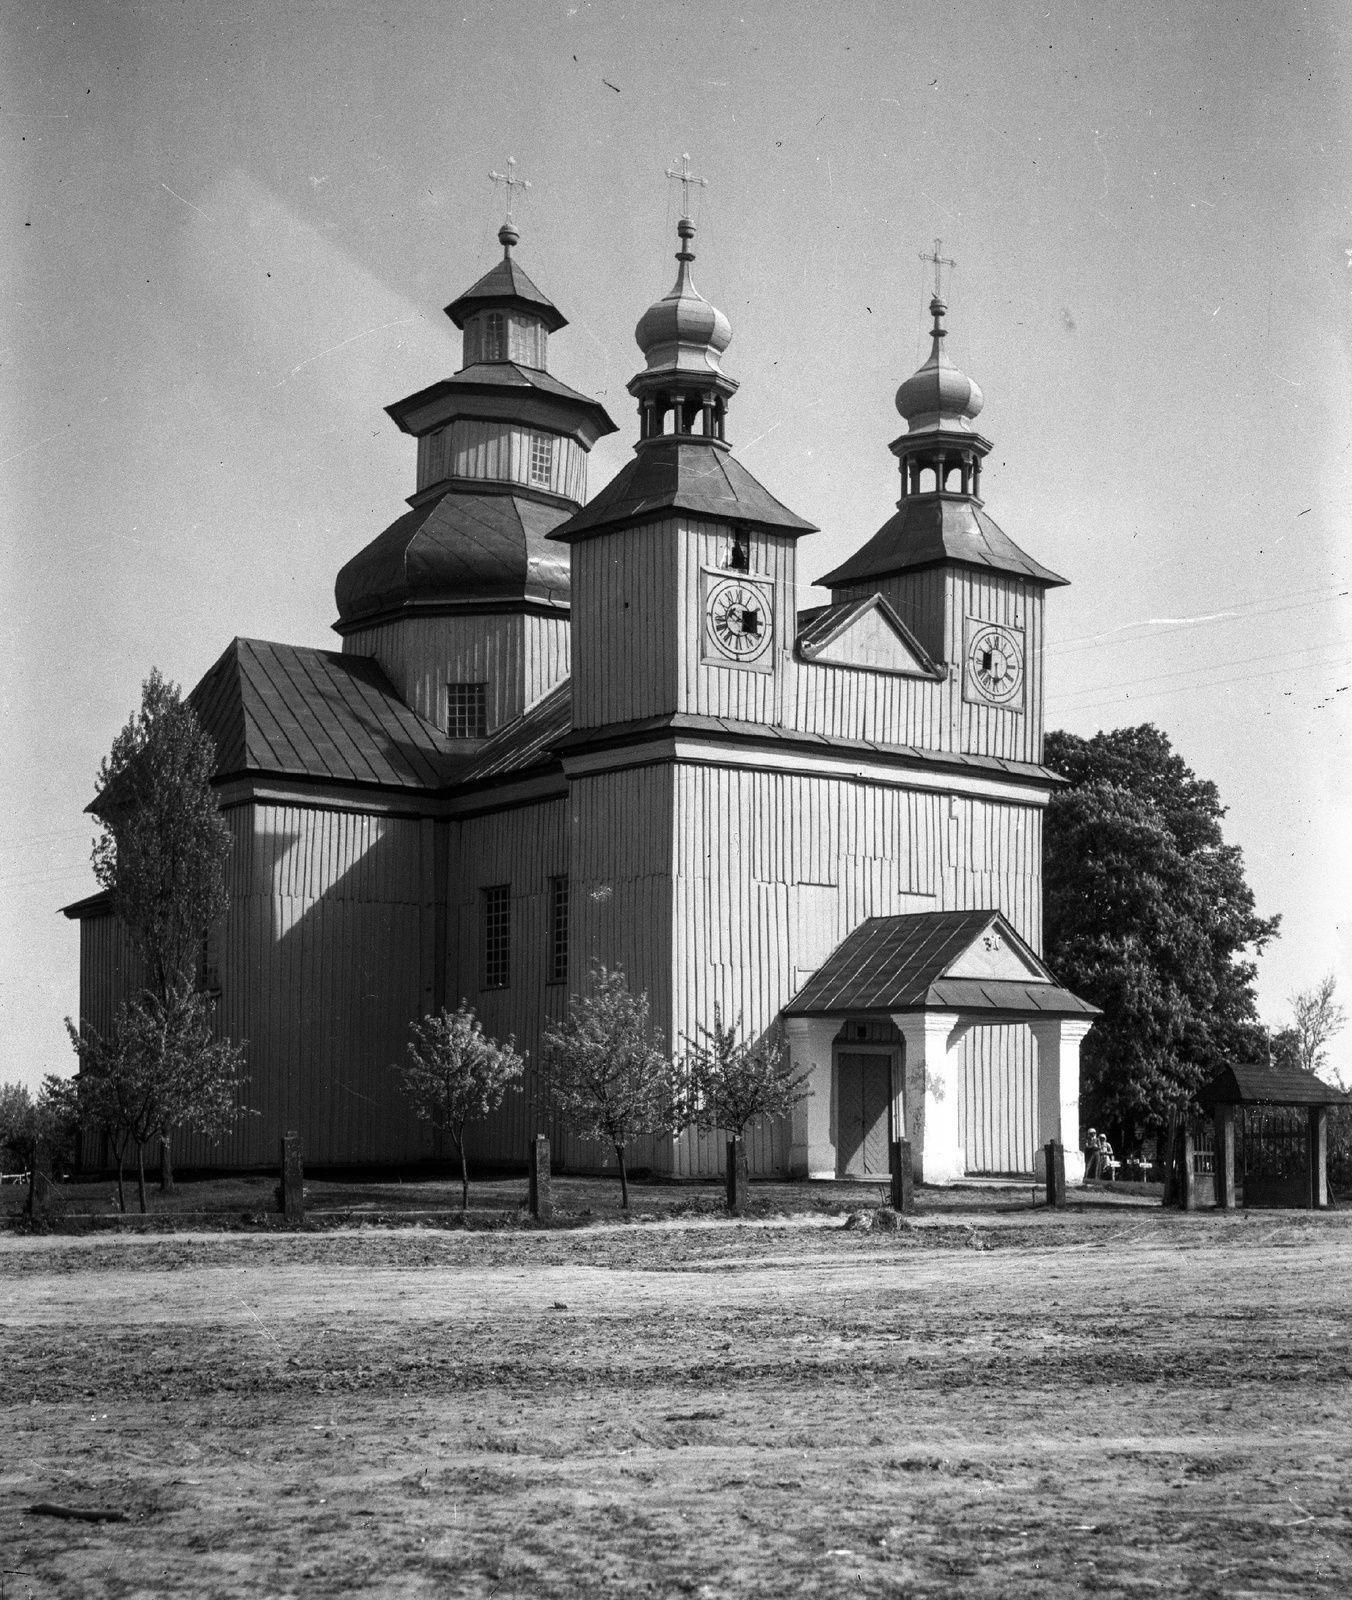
(738, 620)
(993, 672)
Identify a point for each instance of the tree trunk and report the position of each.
(464, 1176)
(166, 1165)
(624, 1179)
(121, 1192)
(141, 1176)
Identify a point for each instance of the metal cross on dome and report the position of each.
(511, 180)
(940, 262)
(686, 178)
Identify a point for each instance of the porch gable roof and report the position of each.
(924, 962)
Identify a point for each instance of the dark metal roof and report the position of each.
(316, 714)
(496, 378)
(504, 285)
(819, 626)
(526, 743)
(458, 548)
(93, 905)
(929, 529)
(1254, 1083)
(899, 964)
(682, 474)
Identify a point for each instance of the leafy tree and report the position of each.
(162, 854)
(606, 1070)
(455, 1074)
(1317, 1018)
(1149, 916)
(52, 1117)
(730, 1081)
(159, 1067)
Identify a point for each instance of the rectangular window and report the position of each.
(467, 710)
(495, 337)
(558, 930)
(542, 458)
(498, 936)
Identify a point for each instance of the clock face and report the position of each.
(994, 664)
(738, 620)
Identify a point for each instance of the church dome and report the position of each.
(682, 332)
(938, 395)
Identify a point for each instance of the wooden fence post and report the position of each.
(736, 1177)
(1224, 1122)
(1171, 1161)
(1055, 1154)
(293, 1179)
(1317, 1147)
(1188, 1162)
(903, 1177)
(40, 1196)
(541, 1203)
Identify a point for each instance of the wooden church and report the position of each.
(564, 731)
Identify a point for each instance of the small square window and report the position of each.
(498, 936)
(467, 710)
(542, 458)
(558, 930)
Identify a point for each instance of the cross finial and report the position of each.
(686, 178)
(512, 181)
(940, 262)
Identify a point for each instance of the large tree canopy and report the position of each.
(164, 844)
(1149, 916)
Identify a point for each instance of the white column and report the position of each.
(932, 1092)
(813, 1151)
(1058, 1091)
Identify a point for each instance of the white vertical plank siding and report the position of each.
(500, 452)
(524, 847)
(519, 656)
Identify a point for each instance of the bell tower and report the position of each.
(968, 593)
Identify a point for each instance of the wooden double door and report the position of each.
(863, 1113)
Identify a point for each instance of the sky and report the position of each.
(230, 230)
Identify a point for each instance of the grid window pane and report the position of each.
(467, 710)
(498, 936)
(558, 930)
(495, 337)
(542, 458)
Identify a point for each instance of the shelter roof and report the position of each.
(458, 548)
(935, 961)
(930, 529)
(505, 284)
(93, 905)
(283, 708)
(682, 474)
(1254, 1083)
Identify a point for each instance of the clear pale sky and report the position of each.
(231, 227)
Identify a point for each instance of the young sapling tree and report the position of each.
(606, 1071)
(455, 1074)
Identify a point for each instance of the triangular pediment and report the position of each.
(867, 635)
(997, 953)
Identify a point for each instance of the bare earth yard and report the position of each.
(1114, 1403)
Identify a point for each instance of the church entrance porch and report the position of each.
(930, 980)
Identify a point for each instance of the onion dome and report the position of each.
(938, 396)
(682, 332)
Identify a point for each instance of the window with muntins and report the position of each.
(495, 337)
(558, 930)
(498, 936)
(542, 458)
(467, 710)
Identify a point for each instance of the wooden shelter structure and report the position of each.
(1271, 1135)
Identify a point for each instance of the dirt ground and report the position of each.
(990, 1404)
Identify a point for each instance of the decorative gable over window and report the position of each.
(865, 634)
